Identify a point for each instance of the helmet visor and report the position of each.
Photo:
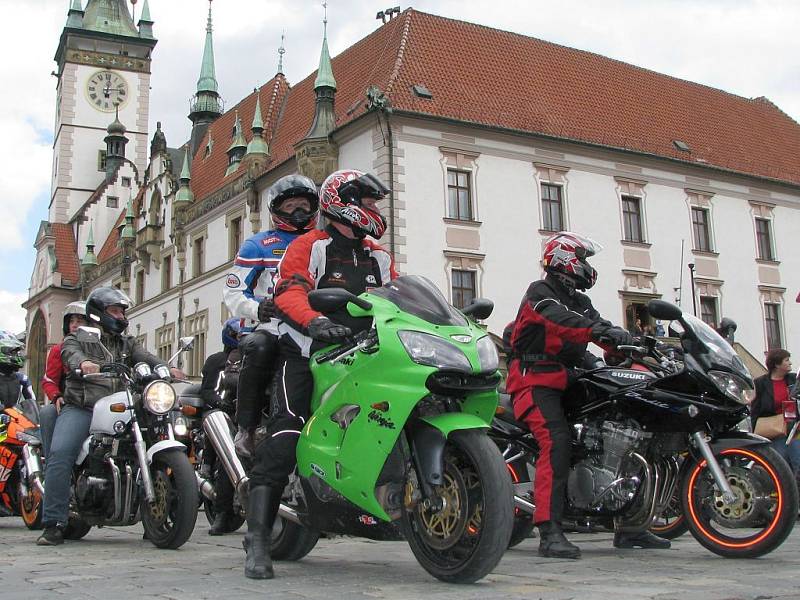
(584, 246)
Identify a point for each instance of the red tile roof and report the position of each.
(66, 257)
(503, 80)
(110, 247)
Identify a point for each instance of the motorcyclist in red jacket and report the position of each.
(547, 341)
(338, 256)
(55, 374)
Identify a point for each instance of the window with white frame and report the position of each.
(197, 326)
(459, 194)
(632, 224)
(701, 229)
(552, 207)
(772, 323)
(764, 239)
(165, 338)
(708, 311)
(463, 287)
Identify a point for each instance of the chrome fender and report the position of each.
(160, 447)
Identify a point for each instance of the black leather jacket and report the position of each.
(85, 392)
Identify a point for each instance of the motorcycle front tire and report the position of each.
(170, 522)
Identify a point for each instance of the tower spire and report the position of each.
(206, 104)
(325, 71)
(257, 145)
(237, 148)
(75, 15)
(89, 259)
(145, 22)
(185, 195)
(281, 52)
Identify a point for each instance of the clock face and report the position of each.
(106, 90)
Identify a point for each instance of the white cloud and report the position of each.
(12, 315)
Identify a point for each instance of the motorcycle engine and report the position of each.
(600, 481)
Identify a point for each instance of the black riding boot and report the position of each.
(643, 539)
(553, 544)
(260, 514)
(220, 524)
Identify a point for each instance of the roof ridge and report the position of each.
(771, 104)
(273, 99)
(581, 51)
(398, 63)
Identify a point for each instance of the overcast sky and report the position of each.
(747, 47)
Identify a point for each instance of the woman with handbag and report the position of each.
(773, 390)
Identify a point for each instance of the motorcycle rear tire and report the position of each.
(478, 537)
(756, 474)
(174, 478)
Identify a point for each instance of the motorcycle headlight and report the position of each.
(487, 354)
(426, 349)
(731, 386)
(159, 397)
(181, 426)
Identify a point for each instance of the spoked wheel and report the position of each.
(170, 520)
(523, 521)
(763, 511)
(671, 523)
(460, 534)
(30, 506)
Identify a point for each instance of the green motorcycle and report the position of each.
(396, 446)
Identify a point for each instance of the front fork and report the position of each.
(701, 443)
(141, 454)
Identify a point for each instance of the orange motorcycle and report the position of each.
(21, 474)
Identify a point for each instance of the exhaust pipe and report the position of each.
(523, 504)
(206, 487)
(217, 426)
(33, 465)
(289, 514)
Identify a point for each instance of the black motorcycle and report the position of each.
(657, 429)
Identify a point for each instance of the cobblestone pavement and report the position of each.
(116, 563)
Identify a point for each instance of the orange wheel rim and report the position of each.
(764, 534)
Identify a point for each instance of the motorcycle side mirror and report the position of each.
(664, 310)
(186, 343)
(479, 308)
(330, 300)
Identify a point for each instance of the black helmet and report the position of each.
(97, 303)
(73, 308)
(291, 186)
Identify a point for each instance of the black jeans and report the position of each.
(291, 400)
(259, 355)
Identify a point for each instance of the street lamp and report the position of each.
(694, 295)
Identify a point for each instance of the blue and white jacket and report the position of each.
(252, 277)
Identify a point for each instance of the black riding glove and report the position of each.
(266, 310)
(244, 442)
(616, 336)
(325, 330)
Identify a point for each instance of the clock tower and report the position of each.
(103, 73)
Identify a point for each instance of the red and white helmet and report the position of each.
(340, 200)
(566, 253)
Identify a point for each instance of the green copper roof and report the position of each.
(184, 191)
(325, 71)
(208, 78)
(89, 259)
(238, 138)
(257, 145)
(109, 16)
(75, 15)
(76, 5)
(127, 232)
(146, 12)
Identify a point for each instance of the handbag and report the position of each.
(770, 427)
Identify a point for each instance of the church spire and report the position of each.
(145, 22)
(237, 148)
(206, 105)
(89, 259)
(257, 145)
(185, 195)
(75, 15)
(109, 16)
(325, 71)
